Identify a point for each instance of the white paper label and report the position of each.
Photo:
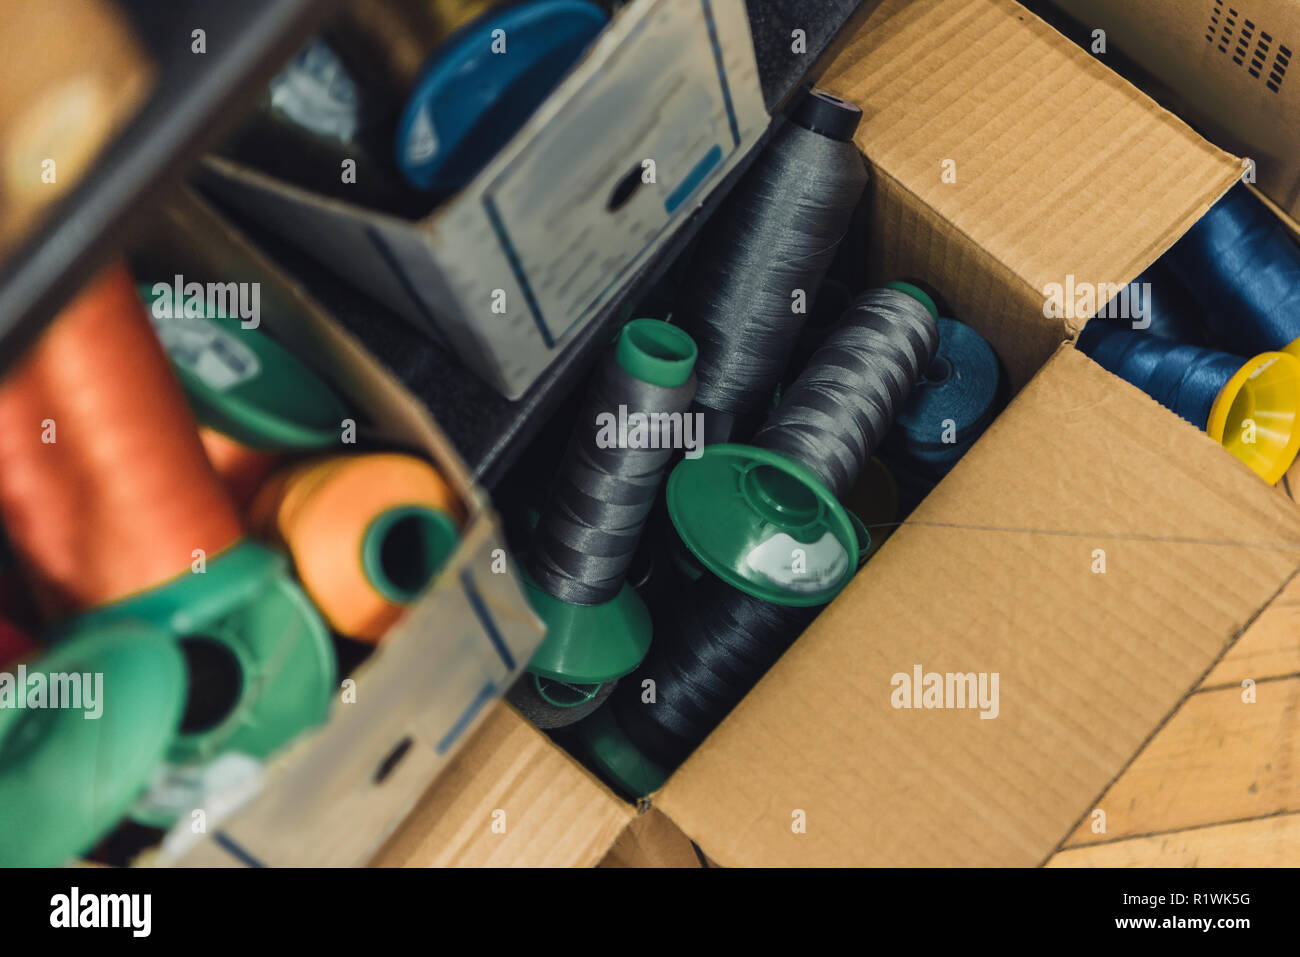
(800, 566)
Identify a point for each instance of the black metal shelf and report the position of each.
(489, 431)
(195, 98)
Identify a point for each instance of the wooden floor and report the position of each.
(1218, 785)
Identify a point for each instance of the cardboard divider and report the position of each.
(998, 571)
(337, 793)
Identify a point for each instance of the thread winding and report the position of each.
(776, 233)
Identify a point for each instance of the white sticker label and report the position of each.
(799, 566)
(212, 354)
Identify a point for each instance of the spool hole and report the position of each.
(562, 694)
(938, 371)
(216, 681)
(405, 548)
(779, 497)
(659, 340)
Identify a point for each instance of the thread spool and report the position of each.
(111, 518)
(744, 510)
(833, 300)
(242, 469)
(723, 643)
(1243, 268)
(776, 500)
(1168, 310)
(777, 232)
(598, 628)
(367, 533)
(1219, 393)
(253, 397)
(65, 780)
(468, 101)
(874, 501)
(104, 487)
(954, 401)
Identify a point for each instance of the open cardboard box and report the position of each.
(1231, 65)
(483, 272)
(1093, 549)
(339, 791)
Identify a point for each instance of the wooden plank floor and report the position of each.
(1219, 784)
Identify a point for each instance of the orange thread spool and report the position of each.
(123, 495)
(366, 533)
(241, 468)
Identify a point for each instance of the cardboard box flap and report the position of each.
(1094, 553)
(510, 798)
(1078, 168)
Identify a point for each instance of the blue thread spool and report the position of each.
(955, 400)
(1251, 406)
(1243, 267)
(1168, 309)
(469, 101)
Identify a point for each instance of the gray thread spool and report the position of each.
(597, 508)
(587, 536)
(832, 419)
(776, 233)
(836, 414)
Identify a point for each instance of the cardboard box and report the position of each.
(340, 791)
(494, 245)
(1230, 62)
(1095, 551)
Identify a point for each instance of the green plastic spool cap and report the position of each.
(405, 547)
(656, 352)
(244, 384)
(264, 660)
(864, 538)
(589, 644)
(619, 760)
(917, 293)
(562, 694)
(743, 511)
(65, 779)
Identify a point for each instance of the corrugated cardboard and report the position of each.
(494, 243)
(995, 573)
(510, 798)
(1049, 171)
(1093, 549)
(1232, 64)
(337, 793)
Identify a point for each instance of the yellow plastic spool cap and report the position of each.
(1257, 414)
(1293, 348)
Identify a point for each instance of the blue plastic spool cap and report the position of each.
(471, 98)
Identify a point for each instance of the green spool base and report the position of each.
(589, 644)
(743, 510)
(65, 779)
(243, 383)
(246, 616)
(619, 761)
